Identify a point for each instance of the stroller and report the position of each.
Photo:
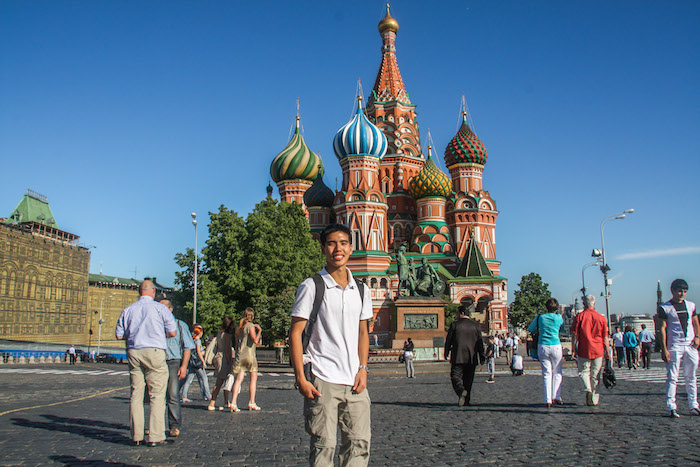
(516, 365)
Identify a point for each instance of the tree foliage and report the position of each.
(529, 300)
(274, 314)
(450, 311)
(258, 262)
(280, 251)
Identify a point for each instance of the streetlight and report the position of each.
(583, 279)
(604, 267)
(99, 323)
(194, 308)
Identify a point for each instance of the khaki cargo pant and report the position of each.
(148, 367)
(338, 406)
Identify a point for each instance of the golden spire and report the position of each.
(388, 23)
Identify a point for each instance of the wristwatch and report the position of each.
(366, 368)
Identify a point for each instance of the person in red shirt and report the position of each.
(590, 344)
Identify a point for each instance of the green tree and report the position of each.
(280, 251)
(450, 311)
(224, 254)
(529, 300)
(274, 314)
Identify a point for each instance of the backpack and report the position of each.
(210, 352)
(318, 299)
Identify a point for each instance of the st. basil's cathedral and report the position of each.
(393, 194)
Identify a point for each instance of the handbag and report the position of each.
(609, 379)
(195, 362)
(535, 340)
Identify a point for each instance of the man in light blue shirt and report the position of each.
(178, 357)
(144, 325)
(646, 338)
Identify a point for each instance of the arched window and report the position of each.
(383, 283)
(373, 283)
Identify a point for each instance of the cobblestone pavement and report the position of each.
(50, 414)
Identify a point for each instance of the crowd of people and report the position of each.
(329, 351)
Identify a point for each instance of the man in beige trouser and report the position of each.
(144, 325)
(589, 371)
(148, 367)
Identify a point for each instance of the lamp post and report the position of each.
(99, 323)
(604, 267)
(194, 308)
(583, 278)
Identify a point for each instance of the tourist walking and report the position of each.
(590, 344)
(197, 366)
(549, 351)
(618, 341)
(629, 341)
(646, 338)
(464, 348)
(680, 338)
(223, 363)
(408, 358)
(491, 359)
(178, 357)
(329, 346)
(247, 338)
(145, 325)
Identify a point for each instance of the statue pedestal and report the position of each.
(420, 318)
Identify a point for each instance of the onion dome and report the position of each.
(318, 194)
(388, 23)
(430, 181)
(465, 147)
(296, 161)
(359, 137)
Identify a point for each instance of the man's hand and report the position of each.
(307, 389)
(182, 372)
(360, 381)
(665, 355)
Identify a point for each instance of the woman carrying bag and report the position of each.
(547, 327)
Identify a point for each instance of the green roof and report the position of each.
(34, 207)
(474, 264)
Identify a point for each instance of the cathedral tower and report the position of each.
(295, 168)
(473, 211)
(361, 205)
(389, 107)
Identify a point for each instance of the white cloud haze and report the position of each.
(690, 250)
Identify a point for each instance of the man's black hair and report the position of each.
(332, 228)
(679, 284)
(463, 310)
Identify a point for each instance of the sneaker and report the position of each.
(490, 380)
(589, 398)
(462, 399)
(673, 414)
(695, 411)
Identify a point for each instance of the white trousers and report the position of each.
(688, 357)
(550, 357)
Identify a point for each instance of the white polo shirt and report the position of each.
(333, 347)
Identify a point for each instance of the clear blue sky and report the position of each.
(129, 115)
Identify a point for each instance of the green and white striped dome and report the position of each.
(296, 161)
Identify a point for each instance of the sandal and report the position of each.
(253, 406)
(234, 409)
(211, 408)
(184, 399)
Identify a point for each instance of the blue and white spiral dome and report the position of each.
(359, 137)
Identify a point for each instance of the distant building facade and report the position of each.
(43, 277)
(47, 294)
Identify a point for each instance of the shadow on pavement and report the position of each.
(87, 422)
(83, 428)
(414, 404)
(72, 460)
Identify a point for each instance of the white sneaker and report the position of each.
(673, 414)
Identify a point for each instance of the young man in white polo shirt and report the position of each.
(680, 338)
(332, 373)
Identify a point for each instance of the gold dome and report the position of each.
(388, 23)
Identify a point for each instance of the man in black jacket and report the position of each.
(466, 348)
